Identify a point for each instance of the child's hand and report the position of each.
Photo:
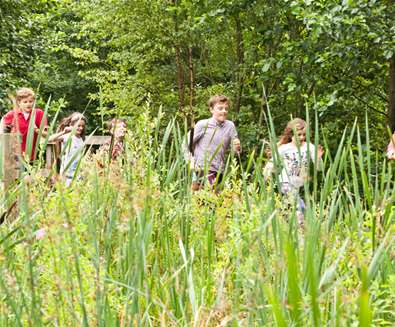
(8, 128)
(391, 155)
(44, 131)
(192, 163)
(236, 145)
(320, 151)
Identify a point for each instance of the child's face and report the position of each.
(26, 104)
(79, 127)
(220, 111)
(299, 137)
(119, 130)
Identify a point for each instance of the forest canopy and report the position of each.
(332, 58)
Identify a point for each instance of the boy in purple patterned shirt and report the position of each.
(211, 140)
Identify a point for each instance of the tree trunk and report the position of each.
(262, 109)
(391, 102)
(191, 84)
(180, 70)
(191, 98)
(180, 79)
(240, 62)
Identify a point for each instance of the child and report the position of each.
(118, 129)
(211, 139)
(18, 120)
(71, 132)
(293, 151)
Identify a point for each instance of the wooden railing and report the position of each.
(10, 155)
(51, 154)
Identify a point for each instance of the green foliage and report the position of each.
(130, 243)
(109, 58)
(18, 43)
(332, 58)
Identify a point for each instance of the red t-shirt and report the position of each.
(20, 124)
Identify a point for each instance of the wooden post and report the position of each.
(10, 157)
(50, 156)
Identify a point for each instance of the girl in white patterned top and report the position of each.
(295, 155)
(71, 134)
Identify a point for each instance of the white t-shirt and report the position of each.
(295, 163)
(72, 152)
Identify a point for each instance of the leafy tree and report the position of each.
(334, 57)
(18, 43)
(331, 57)
(55, 69)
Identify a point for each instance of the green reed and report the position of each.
(130, 244)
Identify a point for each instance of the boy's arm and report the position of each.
(199, 131)
(41, 120)
(187, 154)
(236, 144)
(7, 122)
(185, 148)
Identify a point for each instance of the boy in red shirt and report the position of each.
(18, 119)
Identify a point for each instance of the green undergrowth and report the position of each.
(130, 244)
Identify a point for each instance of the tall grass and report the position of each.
(131, 245)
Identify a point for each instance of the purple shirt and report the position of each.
(211, 140)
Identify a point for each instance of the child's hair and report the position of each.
(24, 92)
(218, 99)
(71, 120)
(20, 94)
(297, 125)
(111, 123)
